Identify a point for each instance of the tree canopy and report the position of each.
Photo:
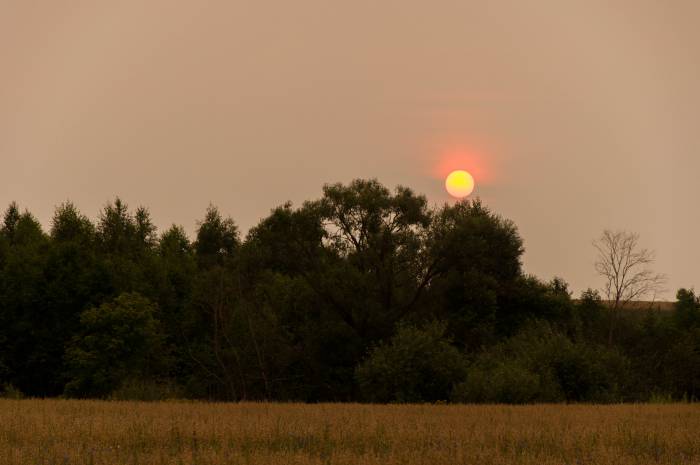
(364, 294)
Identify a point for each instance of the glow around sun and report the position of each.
(459, 184)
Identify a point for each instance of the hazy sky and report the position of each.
(574, 116)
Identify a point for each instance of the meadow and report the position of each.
(103, 432)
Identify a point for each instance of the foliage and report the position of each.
(333, 300)
(417, 364)
(687, 309)
(543, 365)
(8, 391)
(118, 341)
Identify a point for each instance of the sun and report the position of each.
(459, 184)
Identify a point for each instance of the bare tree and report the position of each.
(625, 268)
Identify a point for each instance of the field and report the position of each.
(111, 433)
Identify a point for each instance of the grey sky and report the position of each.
(581, 115)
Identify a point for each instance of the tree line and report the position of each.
(364, 294)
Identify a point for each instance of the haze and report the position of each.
(579, 115)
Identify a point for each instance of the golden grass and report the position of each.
(112, 433)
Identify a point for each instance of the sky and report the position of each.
(573, 116)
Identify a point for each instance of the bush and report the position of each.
(9, 391)
(506, 382)
(542, 365)
(119, 340)
(416, 365)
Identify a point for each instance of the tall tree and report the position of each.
(374, 269)
(127, 246)
(10, 220)
(68, 224)
(211, 328)
(625, 269)
(27, 341)
(477, 284)
(687, 309)
(217, 239)
(74, 280)
(116, 228)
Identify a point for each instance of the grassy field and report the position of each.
(93, 432)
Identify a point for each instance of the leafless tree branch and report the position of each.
(626, 273)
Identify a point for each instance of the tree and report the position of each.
(10, 220)
(210, 323)
(590, 313)
(68, 224)
(687, 309)
(118, 341)
(624, 267)
(127, 249)
(357, 256)
(116, 229)
(374, 258)
(177, 269)
(217, 239)
(476, 282)
(375, 266)
(311, 350)
(330, 301)
(28, 328)
(682, 365)
(73, 282)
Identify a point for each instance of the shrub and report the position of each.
(506, 382)
(119, 340)
(416, 365)
(542, 365)
(9, 391)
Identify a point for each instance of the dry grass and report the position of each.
(91, 432)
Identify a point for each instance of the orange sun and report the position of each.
(459, 184)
